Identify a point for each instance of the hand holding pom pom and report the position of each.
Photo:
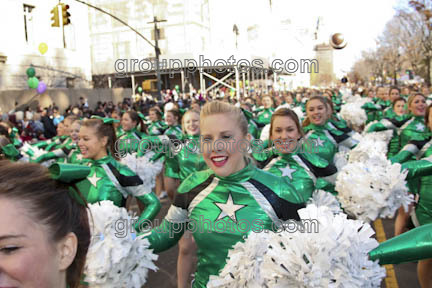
(116, 259)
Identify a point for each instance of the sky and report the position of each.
(361, 22)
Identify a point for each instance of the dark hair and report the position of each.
(394, 88)
(285, 112)
(49, 202)
(157, 111)
(104, 130)
(397, 100)
(4, 129)
(176, 114)
(323, 100)
(135, 118)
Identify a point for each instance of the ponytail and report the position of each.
(104, 130)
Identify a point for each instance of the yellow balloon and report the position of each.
(43, 48)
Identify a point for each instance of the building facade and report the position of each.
(25, 25)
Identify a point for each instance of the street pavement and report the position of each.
(166, 277)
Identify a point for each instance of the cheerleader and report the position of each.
(172, 119)
(395, 122)
(131, 134)
(422, 215)
(293, 158)
(233, 190)
(117, 126)
(177, 169)
(156, 127)
(317, 112)
(264, 114)
(64, 150)
(108, 179)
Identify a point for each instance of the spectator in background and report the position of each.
(83, 103)
(76, 111)
(49, 128)
(36, 124)
(57, 117)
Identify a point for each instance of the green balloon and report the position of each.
(33, 82)
(139, 89)
(31, 72)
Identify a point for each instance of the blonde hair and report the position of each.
(306, 122)
(219, 107)
(411, 98)
(183, 119)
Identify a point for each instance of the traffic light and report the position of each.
(65, 14)
(410, 74)
(55, 17)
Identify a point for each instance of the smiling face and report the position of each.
(28, 259)
(127, 123)
(418, 106)
(191, 123)
(399, 107)
(316, 112)
(60, 129)
(267, 102)
(74, 131)
(170, 119)
(92, 146)
(222, 155)
(285, 130)
(67, 124)
(153, 116)
(394, 94)
(382, 93)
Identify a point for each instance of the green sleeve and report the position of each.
(418, 168)
(58, 153)
(152, 205)
(165, 235)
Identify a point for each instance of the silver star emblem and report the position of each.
(287, 171)
(420, 127)
(94, 179)
(228, 209)
(319, 142)
(79, 157)
(266, 115)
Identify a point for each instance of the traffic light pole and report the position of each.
(157, 50)
(118, 19)
(60, 12)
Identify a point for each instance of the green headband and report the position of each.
(141, 116)
(10, 151)
(105, 120)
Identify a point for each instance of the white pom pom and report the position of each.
(145, 169)
(353, 113)
(265, 133)
(341, 159)
(371, 144)
(334, 255)
(114, 258)
(298, 110)
(372, 189)
(286, 105)
(36, 151)
(322, 198)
